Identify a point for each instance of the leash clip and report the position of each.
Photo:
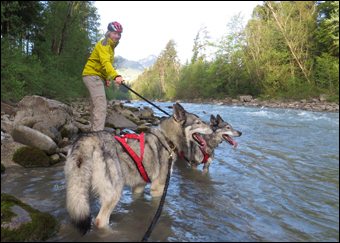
(172, 150)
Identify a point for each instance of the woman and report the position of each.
(99, 67)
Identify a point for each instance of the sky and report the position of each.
(148, 26)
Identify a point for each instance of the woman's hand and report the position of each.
(107, 83)
(119, 80)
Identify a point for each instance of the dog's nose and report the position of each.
(240, 133)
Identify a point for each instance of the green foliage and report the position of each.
(323, 34)
(31, 157)
(333, 23)
(45, 46)
(327, 72)
(42, 226)
(193, 81)
(117, 92)
(160, 81)
(2, 168)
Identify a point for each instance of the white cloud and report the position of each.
(148, 26)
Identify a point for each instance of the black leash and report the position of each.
(161, 203)
(145, 99)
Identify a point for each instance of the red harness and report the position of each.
(133, 155)
(206, 156)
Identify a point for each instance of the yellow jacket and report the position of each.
(101, 60)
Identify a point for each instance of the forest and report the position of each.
(288, 49)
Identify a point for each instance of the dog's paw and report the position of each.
(156, 193)
(103, 231)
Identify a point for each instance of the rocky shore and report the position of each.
(51, 126)
(320, 104)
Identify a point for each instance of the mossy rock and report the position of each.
(135, 122)
(2, 168)
(141, 129)
(85, 114)
(29, 156)
(110, 125)
(41, 226)
(132, 109)
(125, 132)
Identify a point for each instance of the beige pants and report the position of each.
(97, 101)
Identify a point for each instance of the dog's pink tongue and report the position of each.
(231, 140)
(202, 141)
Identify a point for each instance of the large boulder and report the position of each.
(48, 130)
(246, 98)
(129, 115)
(31, 137)
(7, 150)
(8, 109)
(51, 111)
(83, 128)
(146, 113)
(68, 130)
(27, 121)
(116, 120)
(6, 126)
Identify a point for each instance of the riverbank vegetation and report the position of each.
(287, 50)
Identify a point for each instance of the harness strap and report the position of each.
(206, 156)
(133, 155)
(180, 154)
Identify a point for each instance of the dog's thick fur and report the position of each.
(97, 162)
(222, 131)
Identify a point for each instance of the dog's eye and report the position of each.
(198, 122)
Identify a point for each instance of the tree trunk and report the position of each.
(287, 41)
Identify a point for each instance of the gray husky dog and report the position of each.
(197, 155)
(97, 161)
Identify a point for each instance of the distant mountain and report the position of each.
(131, 69)
(124, 63)
(148, 61)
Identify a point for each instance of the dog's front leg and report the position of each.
(138, 189)
(156, 188)
(193, 165)
(207, 164)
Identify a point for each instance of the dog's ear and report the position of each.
(213, 121)
(219, 118)
(179, 113)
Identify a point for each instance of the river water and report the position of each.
(280, 184)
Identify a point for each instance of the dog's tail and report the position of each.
(78, 172)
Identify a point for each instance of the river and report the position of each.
(280, 184)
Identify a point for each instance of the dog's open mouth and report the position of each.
(229, 140)
(199, 140)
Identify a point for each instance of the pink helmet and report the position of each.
(115, 26)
